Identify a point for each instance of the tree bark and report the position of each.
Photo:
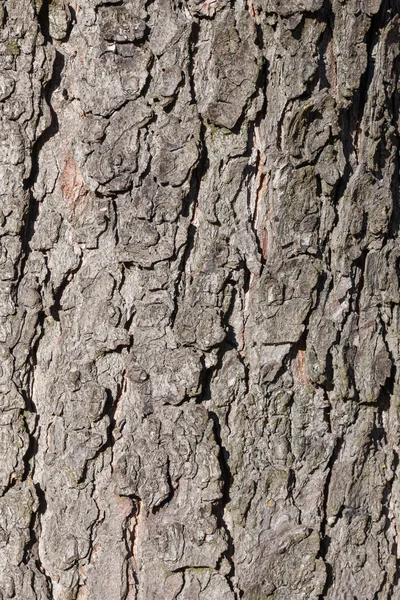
(199, 299)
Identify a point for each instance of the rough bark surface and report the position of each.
(199, 299)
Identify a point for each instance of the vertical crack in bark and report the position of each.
(55, 308)
(324, 539)
(51, 128)
(191, 203)
(130, 545)
(372, 38)
(383, 405)
(43, 20)
(34, 543)
(326, 61)
(170, 494)
(258, 226)
(33, 210)
(219, 509)
(113, 406)
(30, 219)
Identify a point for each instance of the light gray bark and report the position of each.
(199, 299)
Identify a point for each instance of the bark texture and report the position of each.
(199, 299)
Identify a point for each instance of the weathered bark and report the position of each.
(199, 299)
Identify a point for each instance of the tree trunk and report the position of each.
(199, 285)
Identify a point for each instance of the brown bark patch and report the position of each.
(73, 186)
(332, 69)
(299, 369)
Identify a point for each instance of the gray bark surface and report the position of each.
(199, 299)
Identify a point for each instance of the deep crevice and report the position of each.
(219, 507)
(324, 538)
